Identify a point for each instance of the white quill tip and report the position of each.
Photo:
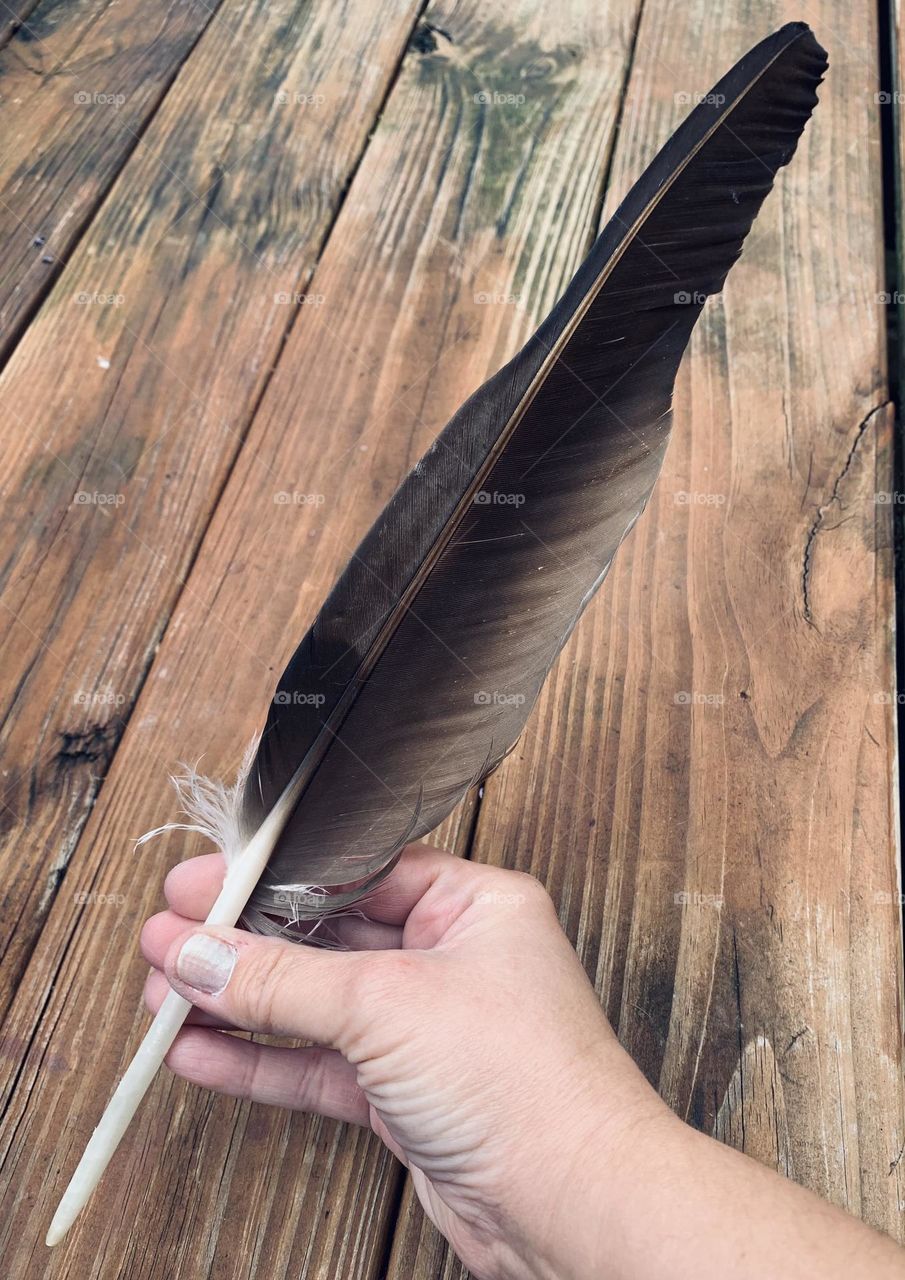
(241, 877)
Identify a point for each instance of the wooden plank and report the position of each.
(126, 416)
(785, 591)
(78, 83)
(892, 116)
(707, 784)
(456, 199)
(418, 1249)
(12, 15)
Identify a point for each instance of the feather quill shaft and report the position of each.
(418, 674)
(238, 884)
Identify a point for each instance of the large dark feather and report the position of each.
(420, 671)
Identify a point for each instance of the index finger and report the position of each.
(419, 868)
(191, 887)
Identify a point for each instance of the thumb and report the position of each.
(267, 984)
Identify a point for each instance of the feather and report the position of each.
(417, 676)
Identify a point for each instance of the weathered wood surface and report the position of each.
(458, 208)
(778, 600)
(720, 726)
(706, 786)
(78, 84)
(12, 15)
(892, 114)
(127, 410)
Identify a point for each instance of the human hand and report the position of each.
(460, 1027)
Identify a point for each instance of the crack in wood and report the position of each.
(823, 509)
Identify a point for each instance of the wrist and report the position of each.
(603, 1156)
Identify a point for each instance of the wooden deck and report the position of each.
(252, 250)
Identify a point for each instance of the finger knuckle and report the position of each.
(313, 1080)
(533, 891)
(370, 985)
(260, 988)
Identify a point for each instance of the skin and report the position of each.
(460, 1026)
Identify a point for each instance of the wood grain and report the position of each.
(78, 85)
(454, 202)
(706, 786)
(12, 14)
(892, 115)
(128, 414)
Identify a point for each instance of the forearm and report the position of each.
(717, 1213)
(682, 1206)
